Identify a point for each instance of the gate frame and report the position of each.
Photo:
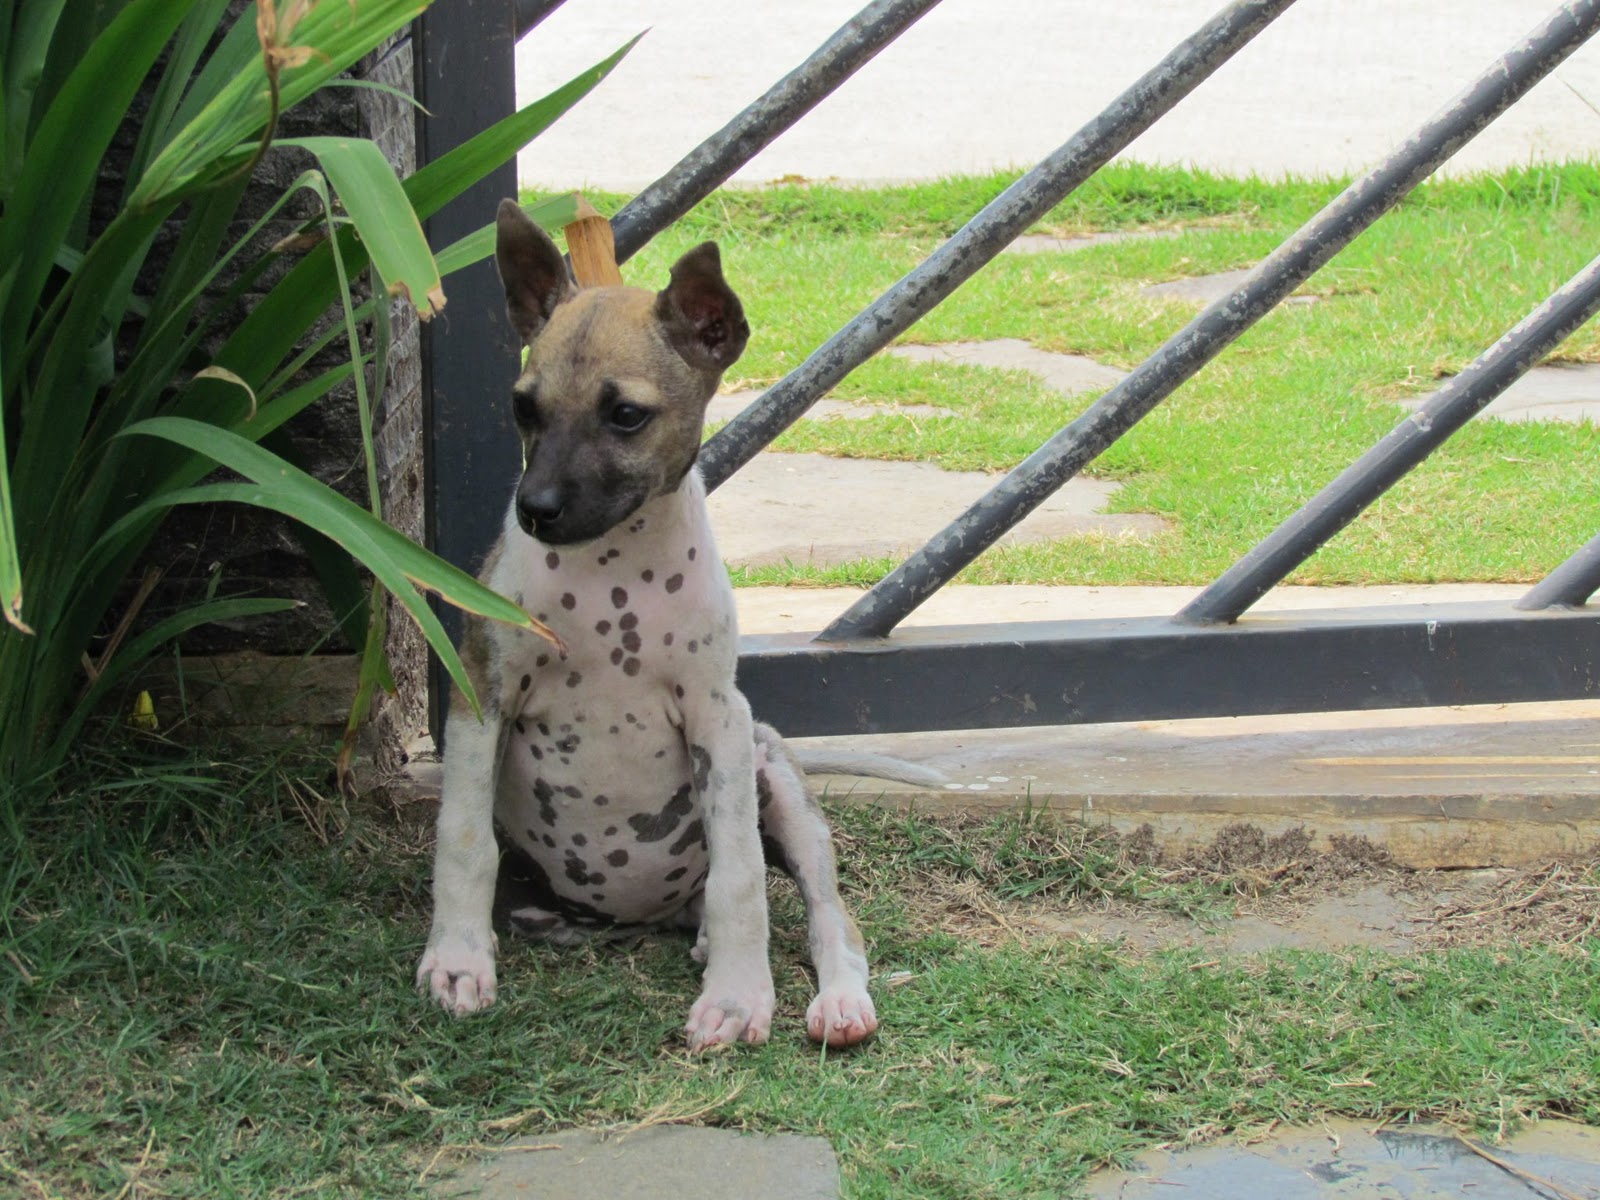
(1210, 659)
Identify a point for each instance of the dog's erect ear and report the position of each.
(701, 316)
(531, 268)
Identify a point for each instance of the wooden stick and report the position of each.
(593, 250)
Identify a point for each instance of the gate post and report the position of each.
(466, 78)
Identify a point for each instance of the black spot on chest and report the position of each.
(694, 831)
(653, 827)
(545, 795)
(578, 871)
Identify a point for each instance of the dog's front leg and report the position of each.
(736, 997)
(458, 965)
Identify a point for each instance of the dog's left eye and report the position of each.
(628, 418)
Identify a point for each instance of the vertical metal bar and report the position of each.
(724, 152)
(1411, 441)
(466, 79)
(988, 233)
(1183, 354)
(1570, 585)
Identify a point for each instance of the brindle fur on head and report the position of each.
(611, 402)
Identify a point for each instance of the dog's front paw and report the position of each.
(734, 1009)
(841, 1016)
(458, 970)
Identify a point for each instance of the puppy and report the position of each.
(626, 774)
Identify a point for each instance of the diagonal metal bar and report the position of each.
(1380, 468)
(724, 152)
(1570, 585)
(988, 233)
(525, 14)
(1183, 354)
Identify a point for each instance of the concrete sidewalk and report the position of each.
(978, 85)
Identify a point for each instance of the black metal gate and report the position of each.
(1212, 658)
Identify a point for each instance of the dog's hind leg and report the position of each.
(796, 838)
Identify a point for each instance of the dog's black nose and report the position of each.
(543, 507)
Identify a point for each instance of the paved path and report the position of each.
(984, 84)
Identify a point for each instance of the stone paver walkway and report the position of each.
(676, 1161)
(1351, 1160)
(1564, 392)
(1069, 374)
(810, 508)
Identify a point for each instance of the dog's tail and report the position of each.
(869, 766)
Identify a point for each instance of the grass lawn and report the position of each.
(205, 990)
(1247, 441)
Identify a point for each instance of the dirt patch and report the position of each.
(995, 882)
(999, 880)
(1557, 905)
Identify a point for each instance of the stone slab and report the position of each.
(1559, 392)
(661, 1161)
(1349, 1160)
(1201, 289)
(810, 508)
(1069, 374)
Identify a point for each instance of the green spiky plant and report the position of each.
(112, 411)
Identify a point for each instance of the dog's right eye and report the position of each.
(525, 407)
(628, 418)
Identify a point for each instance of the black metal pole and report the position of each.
(465, 77)
(988, 233)
(724, 152)
(1570, 585)
(1411, 441)
(1183, 354)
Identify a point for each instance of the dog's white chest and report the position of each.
(598, 781)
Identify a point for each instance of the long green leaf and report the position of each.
(65, 153)
(436, 184)
(429, 571)
(356, 537)
(388, 553)
(137, 649)
(10, 559)
(23, 61)
(336, 33)
(382, 216)
(266, 335)
(198, 28)
(554, 213)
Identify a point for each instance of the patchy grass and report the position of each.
(205, 988)
(1242, 445)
